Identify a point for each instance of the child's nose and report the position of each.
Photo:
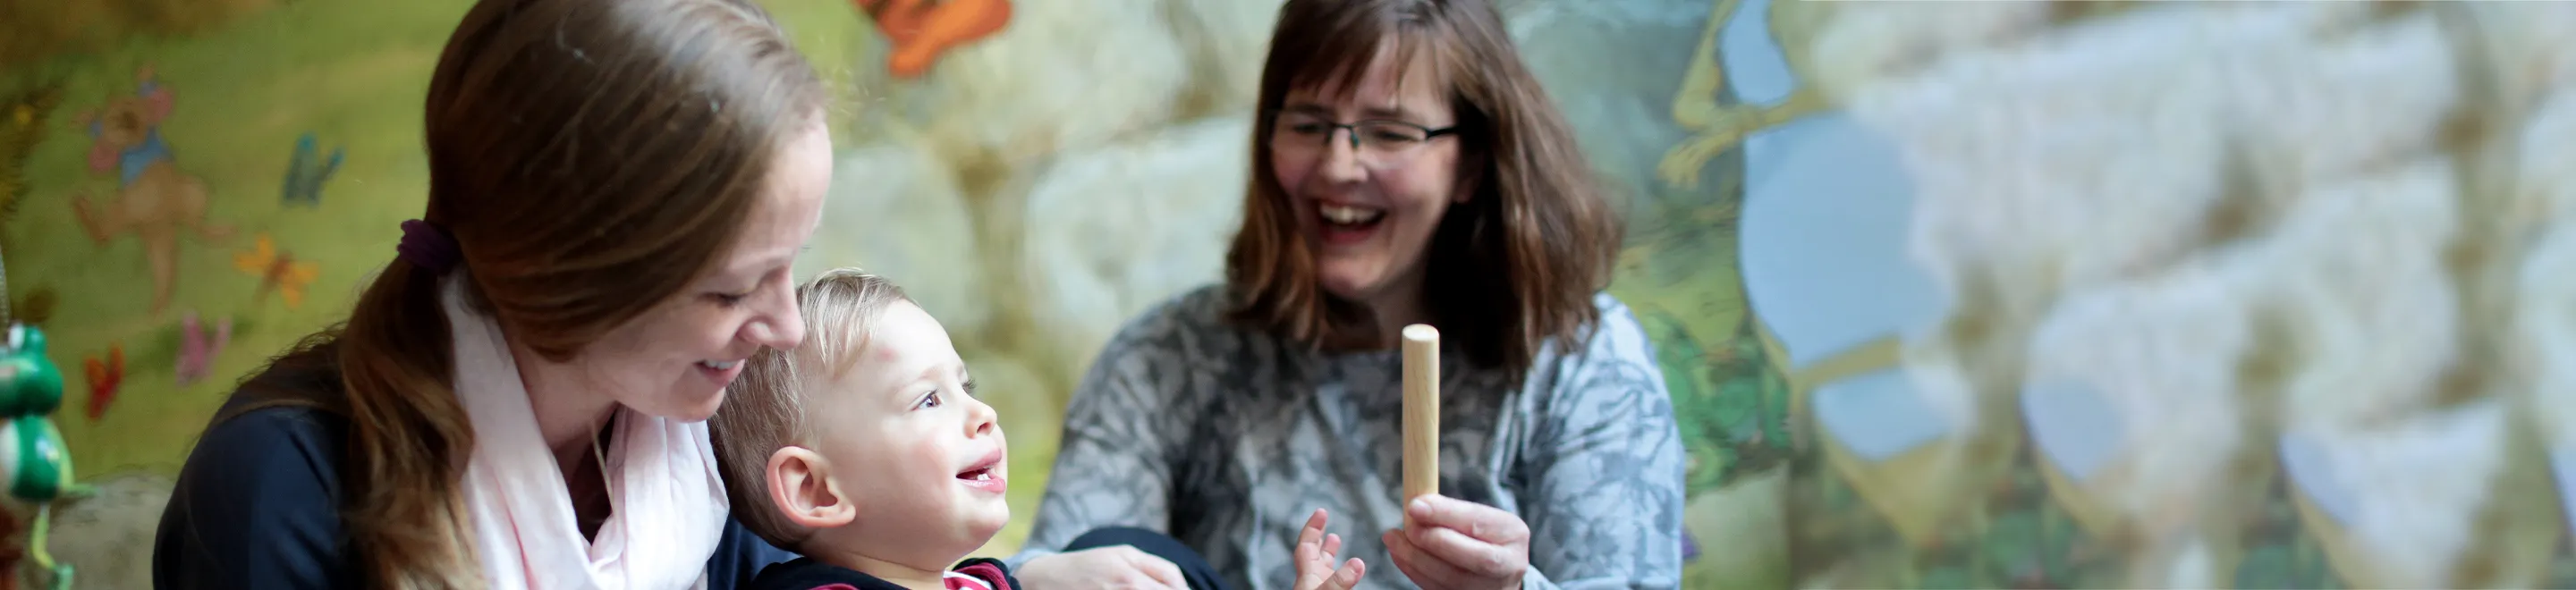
(981, 418)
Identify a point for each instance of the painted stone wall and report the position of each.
(1035, 180)
(2180, 295)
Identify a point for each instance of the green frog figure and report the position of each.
(29, 383)
(32, 455)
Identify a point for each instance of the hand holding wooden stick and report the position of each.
(1421, 413)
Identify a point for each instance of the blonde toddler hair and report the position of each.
(764, 409)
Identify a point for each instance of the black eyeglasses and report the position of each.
(1377, 141)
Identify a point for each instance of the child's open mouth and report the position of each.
(985, 475)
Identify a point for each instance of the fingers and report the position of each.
(1158, 569)
(1311, 540)
(1167, 574)
(1484, 523)
(1319, 578)
(1313, 534)
(1425, 570)
(1345, 577)
(1311, 548)
(1315, 552)
(1466, 553)
(1473, 539)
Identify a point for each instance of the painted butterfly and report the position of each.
(277, 270)
(306, 171)
(106, 378)
(198, 349)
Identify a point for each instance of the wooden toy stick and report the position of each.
(1421, 413)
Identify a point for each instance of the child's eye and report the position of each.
(728, 299)
(928, 401)
(970, 387)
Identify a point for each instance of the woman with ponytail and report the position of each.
(617, 191)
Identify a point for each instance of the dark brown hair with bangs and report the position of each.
(1511, 268)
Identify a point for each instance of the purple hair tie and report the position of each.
(427, 247)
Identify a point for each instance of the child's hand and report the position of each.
(1315, 559)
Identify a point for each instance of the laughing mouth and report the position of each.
(1349, 217)
(720, 365)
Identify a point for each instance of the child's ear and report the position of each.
(800, 484)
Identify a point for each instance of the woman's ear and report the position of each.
(800, 484)
(1471, 176)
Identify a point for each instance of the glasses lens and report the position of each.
(1390, 134)
(1387, 142)
(1302, 128)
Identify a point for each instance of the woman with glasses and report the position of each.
(1407, 168)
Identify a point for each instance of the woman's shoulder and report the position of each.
(1181, 325)
(274, 440)
(282, 422)
(258, 503)
(1605, 394)
(1615, 336)
(278, 440)
(1614, 348)
(253, 451)
(1195, 310)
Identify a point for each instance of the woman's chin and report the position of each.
(703, 409)
(1349, 285)
(684, 406)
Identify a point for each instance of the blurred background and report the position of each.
(1947, 294)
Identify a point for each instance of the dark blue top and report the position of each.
(258, 506)
(807, 574)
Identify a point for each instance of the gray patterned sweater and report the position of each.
(1228, 439)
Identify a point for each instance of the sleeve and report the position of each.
(1605, 469)
(739, 557)
(257, 506)
(1114, 464)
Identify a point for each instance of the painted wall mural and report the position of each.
(184, 197)
(2274, 307)
(1997, 294)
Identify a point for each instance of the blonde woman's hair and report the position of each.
(764, 410)
(590, 158)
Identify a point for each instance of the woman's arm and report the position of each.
(258, 506)
(1605, 469)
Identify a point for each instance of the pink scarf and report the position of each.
(668, 500)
